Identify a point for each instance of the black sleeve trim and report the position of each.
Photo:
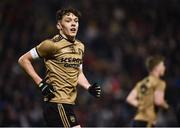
(38, 53)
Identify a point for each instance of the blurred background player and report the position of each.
(149, 94)
(63, 57)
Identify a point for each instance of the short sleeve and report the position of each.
(161, 86)
(82, 48)
(136, 86)
(46, 49)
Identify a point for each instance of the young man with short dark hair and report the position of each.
(63, 58)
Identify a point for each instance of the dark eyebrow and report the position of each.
(68, 18)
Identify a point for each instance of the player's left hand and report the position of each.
(95, 90)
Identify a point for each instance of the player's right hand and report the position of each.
(47, 90)
(166, 106)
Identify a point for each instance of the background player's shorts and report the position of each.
(140, 123)
(61, 115)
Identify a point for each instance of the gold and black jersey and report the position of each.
(62, 59)
(145, 95)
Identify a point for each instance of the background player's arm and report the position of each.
(25, 63)
(132, 98)
(159, 99)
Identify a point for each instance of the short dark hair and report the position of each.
(153, 61)
(60, 13)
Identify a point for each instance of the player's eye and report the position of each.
(67, 20)
(76, 20)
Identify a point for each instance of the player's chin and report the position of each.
(72, 34)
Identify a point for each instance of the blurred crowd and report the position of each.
(118, 35)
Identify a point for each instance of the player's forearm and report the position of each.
(82, 81)
(162, 103)
(28, 68)
(165, 105)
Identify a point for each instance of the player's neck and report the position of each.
(70, 38)
(155, 74)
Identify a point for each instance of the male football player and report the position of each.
(63, 58)
(148, 93)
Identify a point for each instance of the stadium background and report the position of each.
(118, 34)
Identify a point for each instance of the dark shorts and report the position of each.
(59, 115)
(140, 123)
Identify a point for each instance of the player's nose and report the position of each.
(73, 24)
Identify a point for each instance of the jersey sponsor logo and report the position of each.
(71, 65)
(71, 62)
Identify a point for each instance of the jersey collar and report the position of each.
(69, 40)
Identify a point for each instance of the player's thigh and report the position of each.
(66, 112)
(60, 115)
(51, 115)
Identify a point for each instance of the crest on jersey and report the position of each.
(143, 89)
(72, 118)
(57, 38)
(80, 51)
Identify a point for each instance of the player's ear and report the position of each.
(59, 26)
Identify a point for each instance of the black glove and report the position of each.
(95, 90)
(46, 90)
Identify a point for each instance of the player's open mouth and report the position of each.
(73, 30)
